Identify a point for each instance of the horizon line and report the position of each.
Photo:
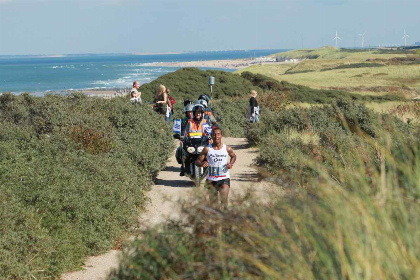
(135, 53)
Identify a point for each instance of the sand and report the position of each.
(222, 64)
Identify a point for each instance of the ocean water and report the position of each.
(39, 75)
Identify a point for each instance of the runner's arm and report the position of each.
(232, 157)
(200, 160)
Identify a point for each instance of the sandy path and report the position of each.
(164, 195)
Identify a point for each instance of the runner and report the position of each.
(218, 178)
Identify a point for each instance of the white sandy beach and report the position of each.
(223, 64)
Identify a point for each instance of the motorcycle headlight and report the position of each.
(200, 149)
(191, 150)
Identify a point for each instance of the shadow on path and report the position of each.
(239, 146)
(176, 183)
(248, 177)
(173, 169)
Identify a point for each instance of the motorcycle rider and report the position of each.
(216, 159)
(197, 127)
(188, 116)
(208, 114)
(188, 109)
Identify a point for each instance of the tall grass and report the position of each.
(356, 217)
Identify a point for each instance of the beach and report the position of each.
(235, 64)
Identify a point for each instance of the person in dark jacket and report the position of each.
(254, 109)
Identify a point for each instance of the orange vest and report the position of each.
(194, 130)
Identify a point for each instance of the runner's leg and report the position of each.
(224, 192)
(213, 193)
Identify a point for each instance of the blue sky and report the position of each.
(120, 26)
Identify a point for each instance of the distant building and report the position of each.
(281, 58)
(417, 44)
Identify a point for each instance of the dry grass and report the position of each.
(330, 52)
(407, 111)
(395, 79)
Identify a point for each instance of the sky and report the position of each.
(151, 26)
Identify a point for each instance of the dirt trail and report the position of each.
(169, 189)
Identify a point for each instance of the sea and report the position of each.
(39, 75)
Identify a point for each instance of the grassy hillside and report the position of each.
(189, 83)
(330, 52)
(361, 72)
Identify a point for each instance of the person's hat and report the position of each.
(215, 126)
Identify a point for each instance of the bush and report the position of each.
(232, 116)
(73, 171)
(341, 128)
(354, 65)
(189, 83)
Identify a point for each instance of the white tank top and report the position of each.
(218, 160)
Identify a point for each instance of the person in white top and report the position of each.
(135, 94)
(216, 159)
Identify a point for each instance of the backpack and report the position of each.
(171, 101)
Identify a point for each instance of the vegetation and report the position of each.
(355, 71)
(341, 215)
(329, 52)
(73, 171)
(229, 95)
(298, 93)
(189, 83)
(354, 65)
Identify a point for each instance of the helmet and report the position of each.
(187, 101)
(198, 107)
(188, 108)
(204, 97)
(202, 102)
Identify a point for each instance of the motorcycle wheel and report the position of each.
(198, 177)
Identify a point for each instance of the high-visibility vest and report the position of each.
(194, 130)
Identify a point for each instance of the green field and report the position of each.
(371, 73)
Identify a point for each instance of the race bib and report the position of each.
(177, 126)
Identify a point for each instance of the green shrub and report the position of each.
(342, 128)
(232, 116)
(189, 83)
(73, 171)
(298, 71)
(354, 65)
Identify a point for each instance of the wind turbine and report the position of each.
(363, 38)
(405, 38)
(336, 38)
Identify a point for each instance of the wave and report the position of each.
(62, 67)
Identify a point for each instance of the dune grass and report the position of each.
(330, 52)
(353, 72)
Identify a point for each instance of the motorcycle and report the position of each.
(188, 153)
